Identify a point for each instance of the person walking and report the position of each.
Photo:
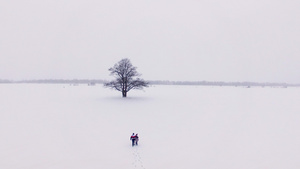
(136, 139)
(132, 138)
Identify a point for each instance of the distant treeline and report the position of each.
(206, 83)
(157, 82)
(5, 81)
(57, 81)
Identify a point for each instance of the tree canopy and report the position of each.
(125, 73)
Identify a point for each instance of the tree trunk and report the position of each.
(124, 94)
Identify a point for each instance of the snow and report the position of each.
(61, 126)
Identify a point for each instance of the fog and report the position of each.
(167, 40)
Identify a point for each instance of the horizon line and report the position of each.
(164, 82)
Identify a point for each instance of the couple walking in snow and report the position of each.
(134, 139)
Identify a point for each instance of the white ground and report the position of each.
(180, 127)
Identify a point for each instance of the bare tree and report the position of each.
(125, 72)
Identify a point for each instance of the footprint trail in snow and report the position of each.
(137, 160)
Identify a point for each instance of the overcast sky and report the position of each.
(194, 40)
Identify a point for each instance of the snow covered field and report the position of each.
(44, 126)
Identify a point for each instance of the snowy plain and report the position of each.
(61, 126)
